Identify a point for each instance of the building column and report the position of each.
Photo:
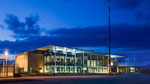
(46, 63)
(90, 62)
(103, 63)
(55, 61)
(59, 63)
(83, 63)
(103, 60)
(3, 68)
(63, 61)
(49, 71)
(97, 62)
(117, 68)
(117, 65)
(75, 65)
(65, 58)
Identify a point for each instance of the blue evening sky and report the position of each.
(77, 23)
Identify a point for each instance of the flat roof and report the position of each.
(77, 50)
(52, 47)
(3, 58)
(113, 56)
(63, 48)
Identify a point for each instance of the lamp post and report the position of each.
(6, 54)
(109, 56)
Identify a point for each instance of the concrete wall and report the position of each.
(21, 63)
(29, 62)
(36, 62)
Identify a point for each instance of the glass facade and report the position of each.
(64, 61)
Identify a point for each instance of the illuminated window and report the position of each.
(112, 63)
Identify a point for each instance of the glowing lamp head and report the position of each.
(6, 53)
(41, 71)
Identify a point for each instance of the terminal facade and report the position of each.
(57, 59)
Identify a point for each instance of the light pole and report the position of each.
(109, 56)
(6, 54)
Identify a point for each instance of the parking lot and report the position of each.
(88, 79)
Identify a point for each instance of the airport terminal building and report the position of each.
(57, 59)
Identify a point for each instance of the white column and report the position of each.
(97, 62)
(46, 63)
(103, 63)
(83, 63)
(55, 61)
(65, 58)
(75, 61)
(90, 63)
(59, 63)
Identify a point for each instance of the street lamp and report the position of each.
(109, 33)
(6, 54)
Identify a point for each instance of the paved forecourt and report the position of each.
(88, 79)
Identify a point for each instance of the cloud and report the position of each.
(122, 36)
(143, 14)
(23, 29)
(125, 4)
(126, 40)
(130, 37)
(139, 9)
(1, 26)
(143, 17)
(89, 36)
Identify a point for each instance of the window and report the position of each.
(112, 63)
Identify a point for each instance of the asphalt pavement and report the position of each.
(86, 79)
